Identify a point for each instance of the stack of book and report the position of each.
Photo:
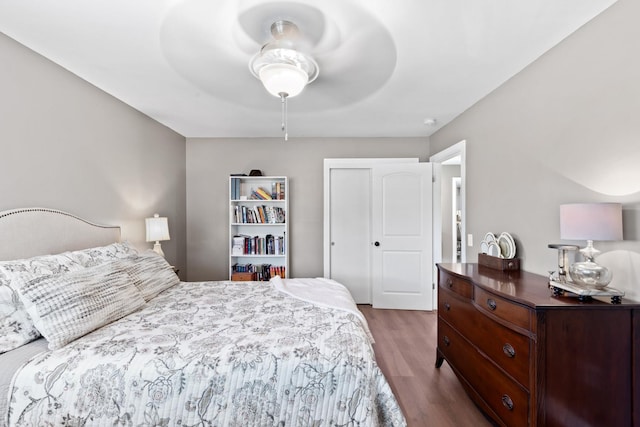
(258, 245)
(235, 189)
(259, 214)
(277, 190)
(261, 194)
(262, 272)
(278, 270)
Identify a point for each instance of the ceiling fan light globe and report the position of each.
(274, 54)
(283, 79)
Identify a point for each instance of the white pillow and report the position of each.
(16, 327)
(66, 306)
(150, 272)
(103, 254)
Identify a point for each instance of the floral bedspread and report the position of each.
(211, 354)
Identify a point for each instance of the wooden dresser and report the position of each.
(528, 358)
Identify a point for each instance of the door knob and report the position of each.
(377, 243)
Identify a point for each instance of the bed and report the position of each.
(127, 343)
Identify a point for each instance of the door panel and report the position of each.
(350, 231)
(401, 227)
(401, 206)
(399, 269)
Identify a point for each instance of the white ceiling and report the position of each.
(385, 66)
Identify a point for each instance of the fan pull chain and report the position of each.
(283, 97)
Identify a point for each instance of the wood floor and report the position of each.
(406, 352)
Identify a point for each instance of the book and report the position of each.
(244, 214)
(256, 213)
(236, 215)
(269, 249)
(262, 216)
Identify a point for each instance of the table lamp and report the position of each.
(157, 230)
(590, 221)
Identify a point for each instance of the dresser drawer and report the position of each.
(509, 311)
(505, 397)
(506, 347)
(455, 284)
(457, 311)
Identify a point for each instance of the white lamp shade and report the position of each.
(283, 78)
(591, 221)
(157, 228)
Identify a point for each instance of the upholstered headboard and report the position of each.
(28, 232)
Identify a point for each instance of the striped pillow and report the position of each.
(66, 306)
(150, 272)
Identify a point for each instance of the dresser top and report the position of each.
(526, 288)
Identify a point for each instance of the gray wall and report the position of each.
(210, 161)
(67, 145)
(565, 129)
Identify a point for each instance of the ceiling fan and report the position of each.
(282, 67)
(211, 44)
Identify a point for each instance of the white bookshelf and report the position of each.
(258, 227)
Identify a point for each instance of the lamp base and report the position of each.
(158, 249)
(589, 273)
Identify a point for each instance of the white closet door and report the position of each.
(350, 231)
(401, 230)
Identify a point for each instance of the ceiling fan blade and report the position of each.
(213, 53)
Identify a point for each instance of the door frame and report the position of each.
(457, 149)
(456, 183)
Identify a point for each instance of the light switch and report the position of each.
(470, 240)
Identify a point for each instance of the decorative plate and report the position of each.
(513, 244)
(494, 250)
(507, 245)
(489, 237)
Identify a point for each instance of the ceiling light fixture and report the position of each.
(283, 70)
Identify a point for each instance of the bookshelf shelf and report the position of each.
(258, 256)
(258, 226)
(255, 201)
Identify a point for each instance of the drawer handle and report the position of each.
(491, 304)
(447, 306)
(509, 350)
(450, 283)
(446, 340)
(507, 402)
